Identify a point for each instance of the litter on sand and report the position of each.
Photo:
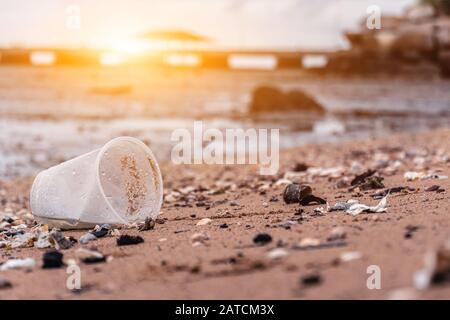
(27, 263)
(413, 176)
(355, 208)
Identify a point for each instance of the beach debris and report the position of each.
(43, 241)
(309, 243)
(320, 211)
(333, 173)
(315, 244)
(381, 194)
(126, 240)
(436, 270)
(311, 279)
(300, 167)
(148, 224)
(435, 188)
(223, 226)
(343, 206)
(52, 259)
(338, 233)
(359, 179)
(89, 256)
(101, 231)
(293, 192)
(262, 239)
(59, 241)
(87, 237)
(27, 264)
(413, 176)
(410, 230)
(354, 208)
(370, 183)
(296, 193)
(5, 283)
(25, 240)
(350, 256)
(204, 222)
(343, 183)
(199, 238)
(277, 253)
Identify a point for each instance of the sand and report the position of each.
(230, 266)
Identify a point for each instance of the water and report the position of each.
(51, 115)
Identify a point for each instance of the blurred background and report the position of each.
(74, 74)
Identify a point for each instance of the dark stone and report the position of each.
(93, 260)
(294, 192)
(362, 177)
(433, 188)
(262, 239)
(270, 99)
(311, 279)
(223, 226)
(300, 167)
(311, 199)
(52, 260)
(126, 240)
(100, 233)
(5, 284)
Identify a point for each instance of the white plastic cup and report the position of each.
(118, 184)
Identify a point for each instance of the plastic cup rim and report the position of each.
(149, 153)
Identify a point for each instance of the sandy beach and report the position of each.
(311, 253)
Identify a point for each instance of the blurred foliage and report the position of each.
(442, 6)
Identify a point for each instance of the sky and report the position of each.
(230, 23)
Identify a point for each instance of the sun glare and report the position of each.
(130, 47)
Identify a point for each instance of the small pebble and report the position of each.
(262, 239)
(204, 222)
(277, 253)
(52, 259)
(5, 283)
(311, 279)
(126, 240)
(88, 237)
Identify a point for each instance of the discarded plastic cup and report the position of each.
(118, 184)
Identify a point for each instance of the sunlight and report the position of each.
(130, 46)
(112, 59)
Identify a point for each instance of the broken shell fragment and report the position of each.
(60, 241)
(277, 253)
(89, 256)
(86, 238)
(204, 222)
(27, 264)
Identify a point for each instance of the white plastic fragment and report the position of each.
(204, 222)
(413, 176)
(27, 263)
(277, 253)
(358, 208)
(87, 238)
(350, 256)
